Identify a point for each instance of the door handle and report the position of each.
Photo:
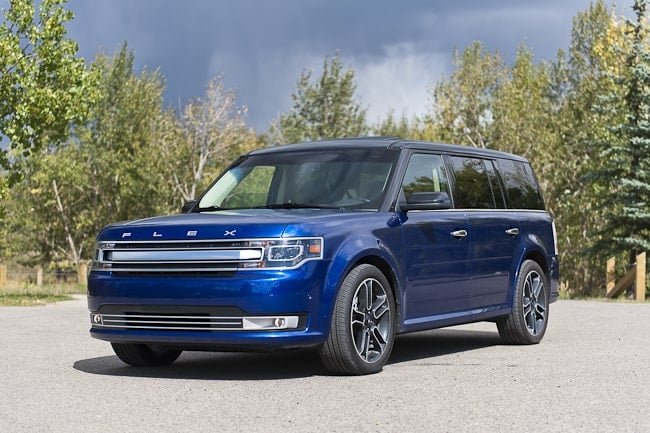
(459, 234)
(512, 232)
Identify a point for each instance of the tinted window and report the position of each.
(521, 187)
(499, 198)
(472, 189)
(425, 173)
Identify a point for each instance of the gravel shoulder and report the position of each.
(591, 373)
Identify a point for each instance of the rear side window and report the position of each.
(522, 190)
(472, 186)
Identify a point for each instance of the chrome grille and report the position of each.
(178, 256)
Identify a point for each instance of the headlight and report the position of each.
(99, 254)
(290, 252)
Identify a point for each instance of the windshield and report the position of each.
(349, 178)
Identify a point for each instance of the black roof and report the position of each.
(384, 143)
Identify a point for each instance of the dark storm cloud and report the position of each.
(398, 48)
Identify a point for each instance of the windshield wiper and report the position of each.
(208, 209)
(290, 205)
(287, 205)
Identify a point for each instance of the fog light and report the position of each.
(96, 319)
(269, 323)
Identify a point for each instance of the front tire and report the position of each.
(362, 330)
(145, 355)
(527, 322)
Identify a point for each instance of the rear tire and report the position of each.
(528, 319)
(145, 355)
(362, 330)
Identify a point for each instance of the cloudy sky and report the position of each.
(397, 48)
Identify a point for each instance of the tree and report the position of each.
(463, 103)
(588, 100)
(326, 108)
(627, 162)
(109, 171)
(415, 128)
(521, 110)
(42, 83)
(210, 132)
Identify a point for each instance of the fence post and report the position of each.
(640, 277)
(3, 277)
(39, 276)
(610, 278)
(82, 273)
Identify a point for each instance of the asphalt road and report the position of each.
(590, 374)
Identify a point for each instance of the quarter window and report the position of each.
(521, 187)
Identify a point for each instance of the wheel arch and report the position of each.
(376, 259)
(536, 255)
(389, 273)
(539, 258)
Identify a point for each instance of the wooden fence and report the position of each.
(636, 277)
(37, 276)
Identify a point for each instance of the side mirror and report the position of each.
(188, 206)
(426, 201)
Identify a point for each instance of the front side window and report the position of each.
(425, 173)
(341, 178)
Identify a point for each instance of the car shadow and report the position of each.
(429, 345)
(425, 345)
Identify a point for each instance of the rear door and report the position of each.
(494, 231)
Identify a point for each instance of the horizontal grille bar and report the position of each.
(183, 256)
(188, 323)
(199, 322)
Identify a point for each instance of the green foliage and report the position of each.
(30, 299)
(588, 102)
(626, 165)
(412, 129)
(325, 108)
(120, 144)
(43, 86)
(132, 159)
(391, 126)
(109, 172)
(463, 103)
(522, 109)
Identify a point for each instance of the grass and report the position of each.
(28, 295)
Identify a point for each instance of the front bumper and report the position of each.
(244, 310)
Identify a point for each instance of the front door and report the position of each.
(437, 248)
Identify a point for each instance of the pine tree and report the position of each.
(628, 163)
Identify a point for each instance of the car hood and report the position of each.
(233, 225)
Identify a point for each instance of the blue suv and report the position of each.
(337, 245)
